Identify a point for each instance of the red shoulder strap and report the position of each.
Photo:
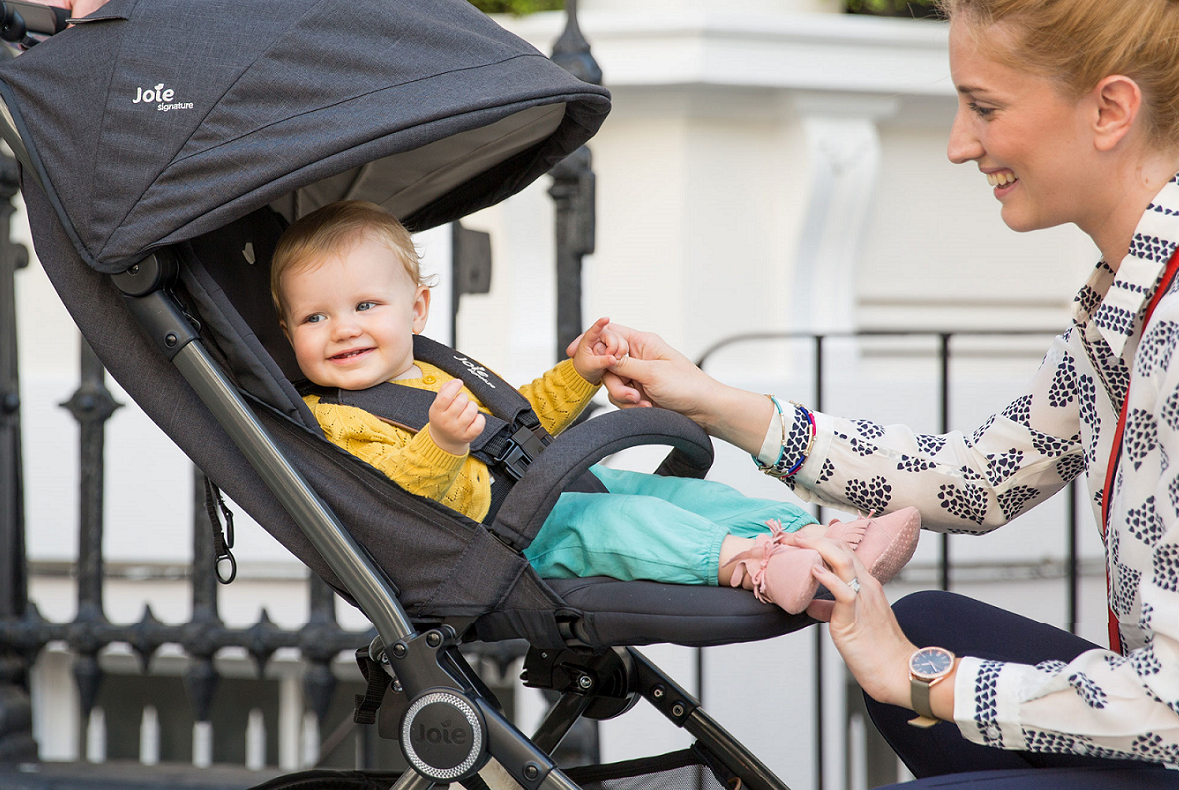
(1115, 452)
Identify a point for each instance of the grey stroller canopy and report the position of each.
(297, 103)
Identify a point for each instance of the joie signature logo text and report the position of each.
(477, 369)
(160, 96)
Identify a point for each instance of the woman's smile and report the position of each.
(1001, 178)
(1004, 183)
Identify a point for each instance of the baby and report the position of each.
(350, 296)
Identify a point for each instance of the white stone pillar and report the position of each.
(96, 736)
(149, 736)
(843, 155)
(256, 740)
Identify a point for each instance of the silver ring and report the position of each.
(855, 585)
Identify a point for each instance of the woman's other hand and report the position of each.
(863, 626)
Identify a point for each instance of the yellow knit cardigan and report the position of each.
(420, 466)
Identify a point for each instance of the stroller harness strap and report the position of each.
(409, 407)
(510, 442)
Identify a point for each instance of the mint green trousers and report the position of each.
(664, 529)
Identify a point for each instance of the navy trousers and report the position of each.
(969, 627)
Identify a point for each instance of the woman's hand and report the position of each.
(863, 627)
(652, 373)
(655, 374)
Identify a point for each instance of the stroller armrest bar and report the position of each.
(356, 570)
(531, 500)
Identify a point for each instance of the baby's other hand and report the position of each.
(596, 350)
(455, 420)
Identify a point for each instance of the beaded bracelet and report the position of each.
(810, 444)
(776, 469)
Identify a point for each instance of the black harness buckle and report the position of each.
(526, 444)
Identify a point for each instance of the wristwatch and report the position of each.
(927, 667)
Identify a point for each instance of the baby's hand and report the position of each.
(596, 350)
(455, 419)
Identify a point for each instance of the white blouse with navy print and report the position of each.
(1102, 703)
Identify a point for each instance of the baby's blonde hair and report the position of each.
(332, 230)
(1077, 43)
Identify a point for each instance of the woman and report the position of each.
(1069, 108)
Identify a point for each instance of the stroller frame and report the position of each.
(426, 664)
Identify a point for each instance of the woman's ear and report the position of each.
(1119, 101)
(421, 309)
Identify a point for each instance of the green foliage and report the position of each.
(517, 7)
(886, 6)
(522, 7)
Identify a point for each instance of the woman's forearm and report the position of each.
(738, 416)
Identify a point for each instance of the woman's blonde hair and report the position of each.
(1078, 43)
(332, 230)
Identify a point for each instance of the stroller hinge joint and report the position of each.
(159, 313)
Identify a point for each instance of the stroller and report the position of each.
(164, 146)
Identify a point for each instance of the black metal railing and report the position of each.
(16, 741)
(27, 633)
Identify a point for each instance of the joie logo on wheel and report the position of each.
(443, 733)
(161, 97)
(443, 736)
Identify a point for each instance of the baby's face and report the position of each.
(351, 318)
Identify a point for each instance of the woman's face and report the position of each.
(1029, 141)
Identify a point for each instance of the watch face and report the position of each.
(931, 662)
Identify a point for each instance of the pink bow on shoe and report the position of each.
(778, 571)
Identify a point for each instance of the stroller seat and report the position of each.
(234, 303)
(156, 231)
